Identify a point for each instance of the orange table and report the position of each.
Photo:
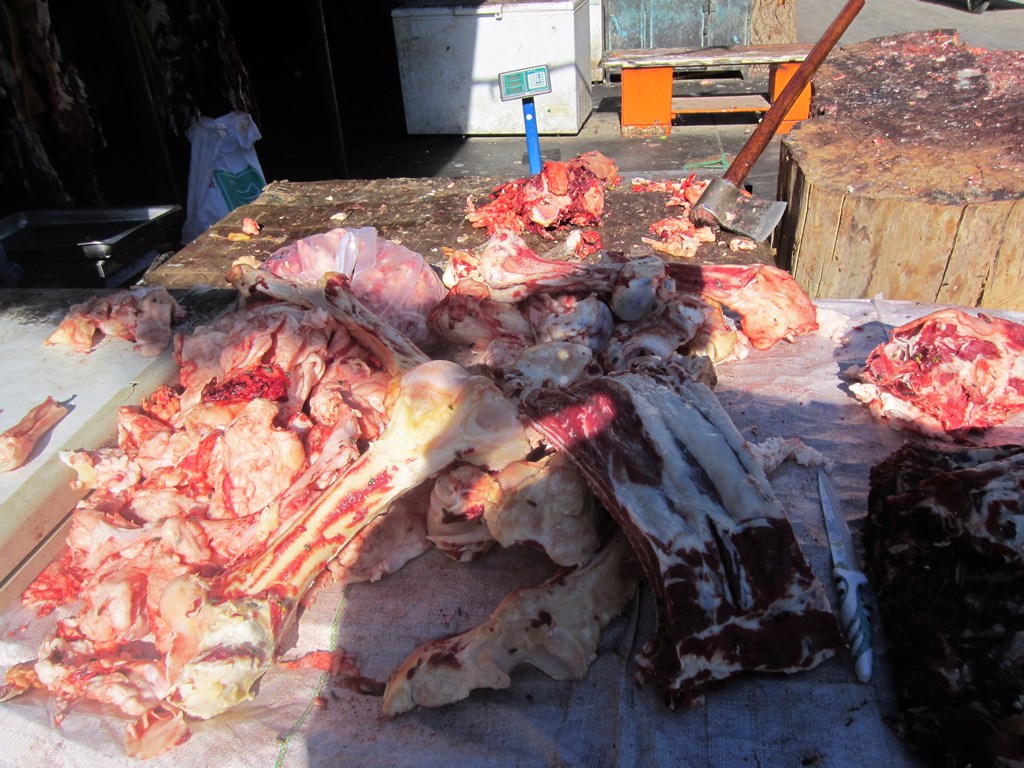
(648, 104)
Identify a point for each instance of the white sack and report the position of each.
(224, 171)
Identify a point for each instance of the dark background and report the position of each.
(140, 157)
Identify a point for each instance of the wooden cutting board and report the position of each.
(36, 499)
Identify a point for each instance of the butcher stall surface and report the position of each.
(423, 214)
(306, 717)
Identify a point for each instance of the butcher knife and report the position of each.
(849, 580)
(724, 202)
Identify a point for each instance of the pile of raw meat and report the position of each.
(566, 405)
(945, 553)
(562, 194)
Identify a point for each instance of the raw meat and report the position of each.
(510, 271)
(197, 483)
(680, 237)
(333, 294)
(544, 503)
(571, 318)
(143, 315)
(552, 364)
(455, 517)
(563, 193)
(228, 628)
(505, 270)
(668, 330)
(682, 192)
(945, 374)
(944, 551)
(478, 329)
(304, 423)
(238, 350)
(18, 442)
(771, 305)
(733, 590)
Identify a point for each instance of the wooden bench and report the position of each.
(648, 105)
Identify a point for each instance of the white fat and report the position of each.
(831, 324)
(576, 606)
(238, 639)
(635, 292)
(554, 363)
(898, 413)
(428, 385)
(546, 503)
(181, 600)
(775, 450)
(584, 321)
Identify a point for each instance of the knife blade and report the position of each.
(849, 579)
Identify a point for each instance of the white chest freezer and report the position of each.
(450, 56)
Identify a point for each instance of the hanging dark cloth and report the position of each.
(198, 62)
(46, 126)
(192, 69)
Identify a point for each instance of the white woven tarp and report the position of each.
(823, 717)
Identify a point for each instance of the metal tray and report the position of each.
(85, 233)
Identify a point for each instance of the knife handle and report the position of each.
(854, 618)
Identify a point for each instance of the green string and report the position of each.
(284, 742)
(721, 162)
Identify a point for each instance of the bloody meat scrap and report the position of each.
(18, 442)
(681, 192)
(945, 374)
(563, 193)
(679, 236)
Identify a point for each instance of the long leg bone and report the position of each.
(229, 629)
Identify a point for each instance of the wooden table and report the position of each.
(425, 215)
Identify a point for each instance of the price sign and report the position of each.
(524, 83)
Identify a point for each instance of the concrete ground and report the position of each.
(705, 141)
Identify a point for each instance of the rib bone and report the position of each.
(733, 590)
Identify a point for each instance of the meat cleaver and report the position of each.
(724, 203)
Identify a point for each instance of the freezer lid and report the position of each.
(497, 8)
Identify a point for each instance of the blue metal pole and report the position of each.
(532, 138)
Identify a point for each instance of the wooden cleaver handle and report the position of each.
(764, 131)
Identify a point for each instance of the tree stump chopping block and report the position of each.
(908, 180)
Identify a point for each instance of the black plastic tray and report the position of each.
(93, 234)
